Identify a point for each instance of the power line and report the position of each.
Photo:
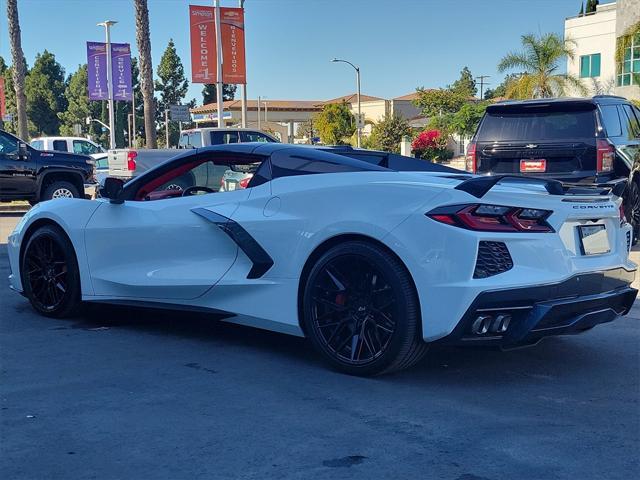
(482, 84)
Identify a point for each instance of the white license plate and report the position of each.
(231, 186)
(594, 239)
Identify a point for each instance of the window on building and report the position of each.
(629, 69)
(590, 65)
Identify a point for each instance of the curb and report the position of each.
(14, 209)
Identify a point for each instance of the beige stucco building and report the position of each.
(595, 36)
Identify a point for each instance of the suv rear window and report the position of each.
(537, 126)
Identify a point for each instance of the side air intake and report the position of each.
(493, 258)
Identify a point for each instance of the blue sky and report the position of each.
(399, 44)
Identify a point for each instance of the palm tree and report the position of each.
(146, 71)
(19, 67)
(538, 63)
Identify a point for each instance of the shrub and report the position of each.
(431, 145)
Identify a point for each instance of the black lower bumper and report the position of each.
(521, 316)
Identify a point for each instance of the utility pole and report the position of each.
(166, 127)
(133, 120)
(482, 84)
(219, 84)
(107, 24)
(259, 125)
(243, 89)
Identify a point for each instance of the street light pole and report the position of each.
(243, 89)
(112, 131)
(219, 67)
(359, 121)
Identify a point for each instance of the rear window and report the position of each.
(611, 120)
(60, 145)
(537, 126)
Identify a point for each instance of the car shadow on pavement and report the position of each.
(446, 365)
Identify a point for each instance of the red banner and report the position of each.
(232, 25)
(3, 100)
(203, 44)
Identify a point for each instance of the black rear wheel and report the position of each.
(361, 310)
(49, 273)
(632, 208)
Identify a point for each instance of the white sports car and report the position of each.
(370, 262)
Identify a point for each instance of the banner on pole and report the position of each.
(233, 53)
(203, 44)
(97, 71)
(121, 71)
(3, 99)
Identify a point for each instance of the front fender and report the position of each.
(71, 215)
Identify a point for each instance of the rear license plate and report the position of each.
(533, 165)
(231, 186)
(594, 239)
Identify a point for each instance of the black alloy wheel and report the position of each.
(361, 310)
(50, 273)
(632, 208)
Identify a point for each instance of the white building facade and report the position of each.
(596, 36)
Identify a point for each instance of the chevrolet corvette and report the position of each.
(369, 259)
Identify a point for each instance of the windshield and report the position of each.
(535, 127)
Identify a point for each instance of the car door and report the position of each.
(17, 172)
(163, 249)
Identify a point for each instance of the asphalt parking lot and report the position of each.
(128, 394)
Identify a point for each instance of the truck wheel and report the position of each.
(60, 189)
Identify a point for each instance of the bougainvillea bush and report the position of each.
(431, 145)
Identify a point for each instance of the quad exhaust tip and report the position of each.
(484, 324)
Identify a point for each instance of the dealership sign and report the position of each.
(97, 70)
(120, 71)
(207, 117)
(203, 44)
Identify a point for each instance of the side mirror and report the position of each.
(23, 151)
(112, 189)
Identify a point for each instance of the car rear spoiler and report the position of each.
(479, 186)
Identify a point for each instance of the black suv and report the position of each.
(575, 140)
(35, 175)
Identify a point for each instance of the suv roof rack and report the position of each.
(609, 96)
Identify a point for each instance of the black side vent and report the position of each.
(628, 241)
(493, 258)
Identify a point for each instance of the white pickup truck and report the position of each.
(127, 163)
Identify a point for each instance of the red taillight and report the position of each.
(131, 160)
(493, 218)
(606, 154)
(623, 218)
(244, 182)
(471, 164)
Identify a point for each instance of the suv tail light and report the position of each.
(470, 160)
(244, 182)
(606, 154)
(493, 218)
(131, 160)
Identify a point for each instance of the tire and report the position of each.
(60, 189)
(361, 312)
(632, 209)
(49, 272)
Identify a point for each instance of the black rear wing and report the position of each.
(479, 186)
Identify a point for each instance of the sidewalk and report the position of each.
(14, 207)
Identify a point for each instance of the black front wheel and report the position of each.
(49, 272)
(361, 311)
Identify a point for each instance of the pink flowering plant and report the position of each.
(431, 145)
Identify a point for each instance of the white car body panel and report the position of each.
(161, 252)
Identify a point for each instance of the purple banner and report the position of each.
(97, 71)
(121, 71)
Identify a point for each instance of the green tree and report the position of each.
(539, 62)
(172, 85)
(465, 85)
(78, 105)
(387, 134)
(465, 121)
(592, 6)
(45, 87)
(335, 123)
(209, 92)
(439, 101)
(501, 89)
(143, 40)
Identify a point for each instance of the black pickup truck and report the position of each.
(35, 175)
